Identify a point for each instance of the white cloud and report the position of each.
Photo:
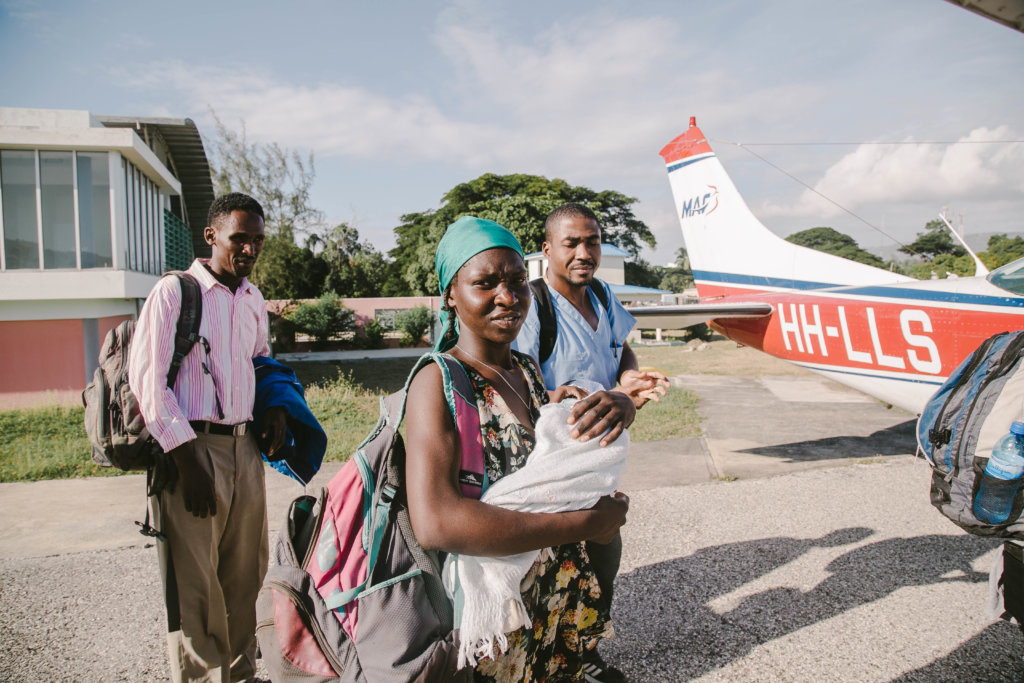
(916, 173)
(331, 119)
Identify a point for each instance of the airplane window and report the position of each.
(1009, 277)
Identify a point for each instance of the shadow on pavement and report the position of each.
(668, 631)
(898, 439)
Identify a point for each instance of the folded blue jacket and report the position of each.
(305, 442)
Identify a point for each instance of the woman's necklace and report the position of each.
(501, 374)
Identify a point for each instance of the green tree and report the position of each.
(414, 324)
(520, 202)
(676, 280)
(942, 266)
(834, 242)
(278, 178)
(932, 241)
(353, 267)
(677, 277)
(642, 274)
(324, 319)
(285, 270)
(1002, 250)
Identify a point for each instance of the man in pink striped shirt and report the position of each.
(214, 518)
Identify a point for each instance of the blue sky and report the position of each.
(401, 101)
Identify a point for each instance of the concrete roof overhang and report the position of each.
(1006, 12)
(187, 160)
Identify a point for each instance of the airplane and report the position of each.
(882, 333)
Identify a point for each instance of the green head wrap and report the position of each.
(464, 239)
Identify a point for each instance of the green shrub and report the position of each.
(324, 319)
(283, 332)
(414, 324)
(373, 335)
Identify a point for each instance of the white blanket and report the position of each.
(561, 474)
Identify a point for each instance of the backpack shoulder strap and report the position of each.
(189, 317)
(461, 400)
(546, 318)
(598, 288)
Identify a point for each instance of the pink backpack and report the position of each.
(353, 596)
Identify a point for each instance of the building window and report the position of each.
(56, 182)
(74, 234)
(94, 209)
(21, 229)
(144, 208)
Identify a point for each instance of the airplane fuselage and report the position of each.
(897, 343)
(883, 333)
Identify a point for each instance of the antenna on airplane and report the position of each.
(979, 267)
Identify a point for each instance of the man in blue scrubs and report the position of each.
(590, 345)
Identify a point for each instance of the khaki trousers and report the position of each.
(218, 565)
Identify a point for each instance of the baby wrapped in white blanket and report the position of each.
(561, 474)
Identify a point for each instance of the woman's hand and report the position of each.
(609, 516)
(600, 412)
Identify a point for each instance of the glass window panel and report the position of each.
(56, 182)
(148, 205)
(133, 221)
(18, 183)
(94, 209)
(136, 219)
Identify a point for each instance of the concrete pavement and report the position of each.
(794, 541)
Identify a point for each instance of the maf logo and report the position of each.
(702, 204)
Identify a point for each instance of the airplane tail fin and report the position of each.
(730, 250)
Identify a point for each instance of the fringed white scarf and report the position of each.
(561, 474)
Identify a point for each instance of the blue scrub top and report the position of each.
(580, 353)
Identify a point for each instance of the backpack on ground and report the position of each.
(113, 422)
(546, 312)
(353, 596)
(961, 423)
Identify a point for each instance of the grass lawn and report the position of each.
(50, 443)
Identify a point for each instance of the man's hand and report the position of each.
(196, 481)
(275, 427)
(601, 411)
(567, 391)
(610, 515)
(643, 385)
(163, 474)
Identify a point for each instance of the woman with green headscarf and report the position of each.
(483, 280)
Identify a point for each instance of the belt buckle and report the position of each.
(240, 429)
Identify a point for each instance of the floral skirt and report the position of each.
(568, 618)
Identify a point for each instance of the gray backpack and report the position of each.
(961, 423)
(353, 596)
(113, 421)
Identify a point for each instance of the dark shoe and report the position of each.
(596, 671)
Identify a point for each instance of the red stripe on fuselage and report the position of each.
(915, 338)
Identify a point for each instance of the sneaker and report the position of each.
(596, 671)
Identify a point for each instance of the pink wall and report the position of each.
(45, 355)
(107, 324)
(36, 355)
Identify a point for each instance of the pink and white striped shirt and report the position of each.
(235, 325)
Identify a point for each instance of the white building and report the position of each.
(93, 209)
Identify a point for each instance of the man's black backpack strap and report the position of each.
(546, 313)
(189, 317)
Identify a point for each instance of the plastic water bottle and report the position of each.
(1006, 470)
